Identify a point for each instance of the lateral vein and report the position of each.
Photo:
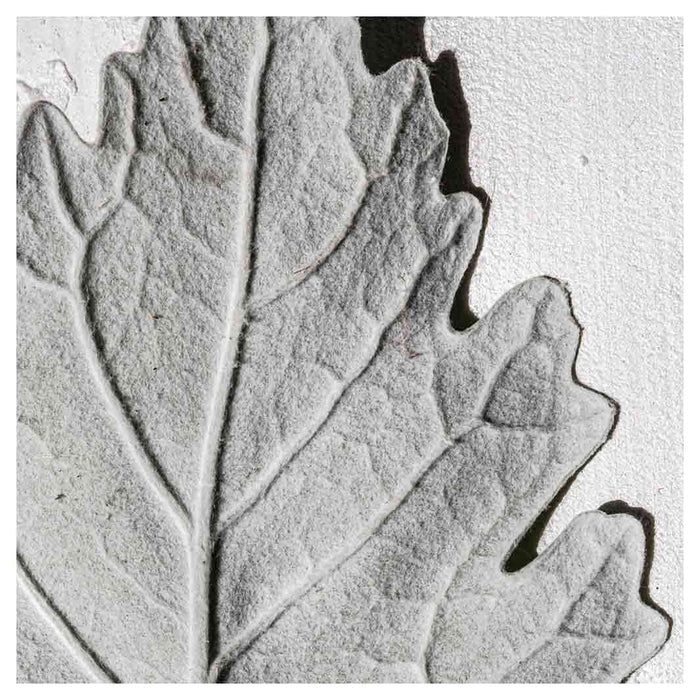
(87, 658)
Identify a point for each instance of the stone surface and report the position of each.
(59, 60)
(237, 376)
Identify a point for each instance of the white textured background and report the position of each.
(577, 136)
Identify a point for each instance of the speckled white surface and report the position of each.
(577, 134)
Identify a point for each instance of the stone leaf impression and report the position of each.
(251, 445)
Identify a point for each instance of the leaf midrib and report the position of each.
(226, 376)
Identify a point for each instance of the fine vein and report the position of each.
(145, 464)
(561, 618)
(267, 619)
(263, 485)
(273, 470)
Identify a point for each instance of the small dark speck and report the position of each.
(584, 161)
(162, 99)
(155, 317)
(146, 123)
(155, 368)
(60, 497)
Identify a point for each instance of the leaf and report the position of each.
(251, 445)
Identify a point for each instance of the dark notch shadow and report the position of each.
(527, 548)
(388, 40)
(648, 524)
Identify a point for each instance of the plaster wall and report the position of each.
(577, 137)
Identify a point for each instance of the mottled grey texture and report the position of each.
(241, 400)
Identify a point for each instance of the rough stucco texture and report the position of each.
(577, 136)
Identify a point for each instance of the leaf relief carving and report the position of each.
(251, 445)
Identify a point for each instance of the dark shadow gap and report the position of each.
(527, 548)
(646, 519)
(388, 40)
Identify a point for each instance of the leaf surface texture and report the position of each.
(251, 446)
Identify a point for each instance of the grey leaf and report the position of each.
(251, 445)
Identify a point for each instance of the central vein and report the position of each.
(225, 379)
